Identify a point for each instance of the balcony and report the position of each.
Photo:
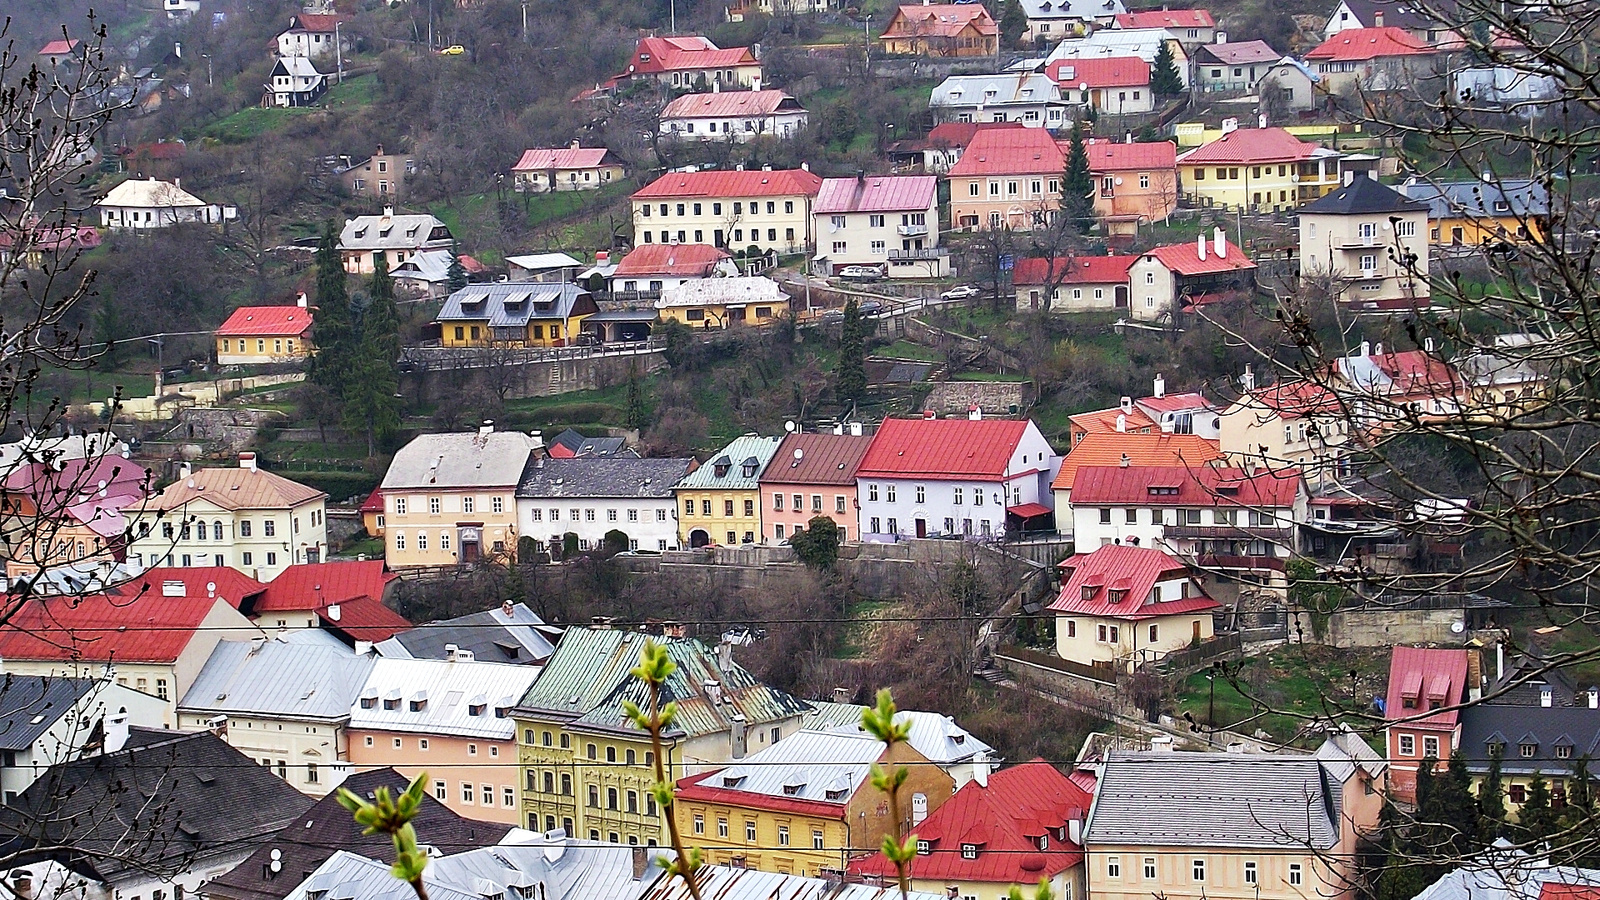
(1258, 563)
(925, 253)
(1230, 533)
(1359, 241)
(912, 230)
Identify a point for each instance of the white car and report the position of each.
(861, 273)
(964, 292)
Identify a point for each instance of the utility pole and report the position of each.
(338, 50)
(673, 9)
(208, 68)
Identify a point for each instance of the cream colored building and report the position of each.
(1123, 605)
(766, 209)
(1368, 241)
(1008, 177)
(889, 222)
(1258, 169)
(1298, 424)
(451, 498)
(244, 518)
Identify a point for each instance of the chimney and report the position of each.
(716, 86)
(487, 427)
(575, 145)
(334, 612)
(602, 257)
(1427, 345)
(1546, 695)
(247, 460)
(1125, 405)
(301, 300)
(1499, 660)
(736, 735)
(116, 732)
(714, 691)
(1200, 247)
(841, 695)
(805, 167)
(388, 212)
(185, 469)
(1125, 461)
(975, 412)
(725, 655)
(380, 150)
(1161, 743)
(1220, 242)
(508, 608)
(1222, 38)
(177, 49)
(1160, 387)
(855, 429)
(22, 884)
(755, 84)
(363, 648)
(1122, 423)
(1377, 19)
(451, 651)
(980, 770)
(1366, 348)
(641, 861)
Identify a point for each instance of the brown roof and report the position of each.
(1102, 448)
(822, 459)
(235, 488)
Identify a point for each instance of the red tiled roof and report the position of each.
(823, 459)
(1185, 258)
(136, 622)
(723, 104)
(1167, 18)
(1011, 151)
(315, 22)
(1110, 156)
(364, 619)
(374, 501)
(655, 55)
(942, 448)
(1196, 485)
(878, 193)
(315, 585)
(1079, 270)
(1005, 818)
(1357, 44)
(1250, 145)
(543, 159)
(960, 134)
(1102, 448)
(1175, 402)
(1551, 890)
(1297, 399)
(1029, 510)
(1408, 373)
(1104, 421)
(1131, 571)
(266, 320)
(59, 47)
(749, 183)
(1430, 676)
(940, 20)
(1099, 72)
(670, 259)
(472, 266)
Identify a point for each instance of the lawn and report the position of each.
(986, 376)
(251, 122)
(1304, 679)
(541, 209)
(907, 350)
(856, 637)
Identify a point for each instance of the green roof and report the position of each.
(736, 467)
(589, 676)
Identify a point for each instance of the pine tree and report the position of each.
(850, 374)
(333, 330)
(1399, 878)
(1536, 820)
(636, 414)
(1458, 811)
(1491, 800)
(1164, 78)
(369, 395)
(456, 277)
(1077, 186)
(1013, 22)
(1578, 819)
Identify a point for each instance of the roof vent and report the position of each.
(172, 588)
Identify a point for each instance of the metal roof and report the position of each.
(515, 303)
(1355, 44)
(1241, 53)
(540, 159)
(1250, 145)
(1134, 572)
(1012, 151)
(697, 260)
(934, 735)
(1362, 196)
(1507, 873)
(807, 765)
(510, 633)
(271, 678)
(829, 459)
(1086, 10)
(1480, 199)
(731, 476)
(1088, 73)
(739, 290)
(878, 193)
(267, 320)
(951, 449)
(724, 104)
(735, 185)
(995, 90)
(461, 460)
(1106, 448)
(389, 231)
(605, 476)
(449, 694)
(538, 262)
(728, 883)
(149, 193)
(1189, 485)
(1213, 800)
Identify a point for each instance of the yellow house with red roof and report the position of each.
(1122, 606)
(1022, 825)
(767, 209)
(689, 61)
(1257, 169)
(256, 335)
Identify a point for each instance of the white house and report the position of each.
(1027, 97)
(1052, 20)
(890, 222)
(177, 10)
(1144, 43)
(50, 719)
(295, 82)
(590, 496)
(142, 204)
(973, 477)
(397, 237)
(314, 35)
(736, 116)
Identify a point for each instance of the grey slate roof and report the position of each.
(519, 637)
(1481, 199)
(461, 460)
(296, 681)
(727, 469)
(973, 90)
(1362, 196)
(1543, 727)
(597, 446)
(512, 303)
(1086, 10)
(1213, 800)
(185, 801)
(587, 476)
(31, 704)
(390, 231)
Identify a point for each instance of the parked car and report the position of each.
(963, 292)
(870, 308)
(453, 50)
(861, 273)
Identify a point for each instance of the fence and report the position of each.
(1194, 657)
(1045, 664)
(431, 356)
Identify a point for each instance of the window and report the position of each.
(1528, 751)
(594, 796)
(722, 827)
(468, 503)
(777, 502)
(1198, 870)
(508, 796)
(433, 505)
(440, 792)
(466, 792)
(889, 493)
(749, 831)
(1149, 868)
(1296, 874)
(1408, 745)
(1113, 867)
(783, 835)
(816, 840)
(699, 823)
(1105, 515)
(269, 527)
(1430, 746)
(1517, 793)
(872, 492)
(566, 785)
(1250, 871)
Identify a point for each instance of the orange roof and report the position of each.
(692, 260)
(1250, 145)
(235, 488)
(1186, 259)
(655, 55)
(1356, 44)
(940, 20)
(1102, 448)
(1105, 421)
(736, 184)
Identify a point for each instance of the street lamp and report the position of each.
(866, 34)
(207, 58)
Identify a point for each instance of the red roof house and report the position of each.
(1366, 44)
(1174, 20)
(1095, 73)
(942, 29)
(1011, 151)
(1022, 826)
(1119, 582)
(1035, 270)
(748, 183)
(1250, 146)
(675, 260)
(1423, 679)
(947, 449)
(311, 586)
(1189, 274)
(1188, 485)
(268, 321)
(544, 159)
(1103, 448)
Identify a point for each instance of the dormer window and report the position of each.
(958, 739)
(1408, 701)
(924, 848)
(384, 232)
(477, 709)
(644, 57)
(749, 470)
(1564, 751)
(1044, 842)
(1117, 596)
(369, 702)
(1088, 591)
(969, 851)
(419, 705)
(836, 794)
(391, 703)
(1528, 751)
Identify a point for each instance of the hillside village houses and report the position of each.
(1352, 14)
(381, 174)
(738, 9)
(1233, 68)
(1032, 98)
(53, 719)
(690, 62)
(1167, 280)
(1191, 27)
(736, 116)
(812, 475)
(242, 517)
(1122, 606)
(939, 150)
(1111, 448)
(1292, 83)
(717, 303)
(1258, 169)
(1367, 241)
(649, 269)
(1135, 184)
(1112, 85)
(766, 209)
(1051, 20)
(398, 237)
(258, 335)
(143, 204)
(451, 498)
(720, 502)
(889, 222)
(1472, 214)
(68, 513)
(294, 82)
(314, 35)
(1371, 59)
(1008, 177)
(1143, 43)
(574, 168)
(943, 742)
(1072, 284)
(592, 496)
(941, 30)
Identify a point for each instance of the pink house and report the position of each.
(812, 475)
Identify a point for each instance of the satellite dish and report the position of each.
(1083, 85)
(211, 587)
(799, 453)
(1457, 627)
(276, 866)
(789, 427)
(276, 854)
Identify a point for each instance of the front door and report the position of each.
(1196, 630)
(922, 528)
(1122, 296)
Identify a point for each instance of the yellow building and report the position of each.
(713, 303)
(256, 335)
(766, 209)
(720, 502)
(450, 499)
(1296, 423)
(515, 314)
(805, 805)
(1474, 213)
(588, 771)
(1258, 169)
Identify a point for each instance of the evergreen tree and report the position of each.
(1399, 878)
(1013, 22)
(1491, 800)
(1458, 811)
(1164, 78)
(374, 375)
(456, 277)
(333, 329)
(636, 415)
(1578, 818)
(1077, 186)
(850, 375)
(1537, 820)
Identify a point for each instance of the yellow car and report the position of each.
(453, 50)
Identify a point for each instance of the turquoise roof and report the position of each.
(731, 469)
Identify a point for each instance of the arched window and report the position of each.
(216, 530)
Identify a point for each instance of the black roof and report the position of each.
(579, 445)
(519, 637)
(602, 476)
(1519, 686)
(30, 705)
(326, 827)
(1361, 196)
(1542, 728)
(160, 808)
(1397, 15)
